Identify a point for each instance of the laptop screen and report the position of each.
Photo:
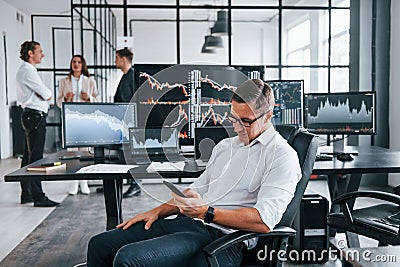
(153, 141)
(207, 137)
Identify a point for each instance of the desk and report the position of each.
(112, 182)
(346, 176)
(191, 170)
(370, 160)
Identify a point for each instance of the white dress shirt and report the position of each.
(262, 175)
(31, 91)
(76, 85)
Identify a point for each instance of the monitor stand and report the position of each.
(338, 145)
(98, 154)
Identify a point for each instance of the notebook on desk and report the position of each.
(154, 144)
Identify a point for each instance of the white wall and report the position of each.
(62, 46)
(394, 88)
(15, 33)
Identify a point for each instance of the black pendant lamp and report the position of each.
(206, 50)
(212, 42)
(221, 25)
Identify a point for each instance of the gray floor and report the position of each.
(61, 239)
(18, 221)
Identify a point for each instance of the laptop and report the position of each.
(159, 144)
(205, 139)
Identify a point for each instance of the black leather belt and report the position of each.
(31, 110)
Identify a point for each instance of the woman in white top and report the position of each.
(78, 86)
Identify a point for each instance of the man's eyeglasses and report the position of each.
(244, 122)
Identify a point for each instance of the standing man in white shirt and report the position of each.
(32, 96)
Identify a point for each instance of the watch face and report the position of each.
(209, 215)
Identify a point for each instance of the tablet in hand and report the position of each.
(174, 189)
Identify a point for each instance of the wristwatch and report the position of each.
(209, 215)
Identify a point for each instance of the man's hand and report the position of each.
(193, 206)
(69, 96)
(149, 217)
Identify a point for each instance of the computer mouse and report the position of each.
(344, 157)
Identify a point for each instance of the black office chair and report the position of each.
(380, 222)
(286, 130)
(306, 146)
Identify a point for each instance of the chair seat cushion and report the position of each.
(371, 222)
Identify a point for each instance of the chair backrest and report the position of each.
(306, 145)
(285, 130)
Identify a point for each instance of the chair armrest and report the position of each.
(240, 236)
(342, 201)
(370, 194)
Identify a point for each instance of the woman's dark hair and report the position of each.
(125, 52)
(25, 48)
(256, 93)
(85, 70)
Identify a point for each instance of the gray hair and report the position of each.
(257, 93)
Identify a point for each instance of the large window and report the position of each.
(292, 39)
(299, 44)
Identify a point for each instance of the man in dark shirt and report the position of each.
(129, 82)
(125, 91)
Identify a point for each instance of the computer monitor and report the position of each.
(187, 96)
(288, 101)
(154, 140)
(97, 125)
(340, 113)
(169, 115)
(207, 137)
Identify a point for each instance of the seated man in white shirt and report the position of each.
(247, 185)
